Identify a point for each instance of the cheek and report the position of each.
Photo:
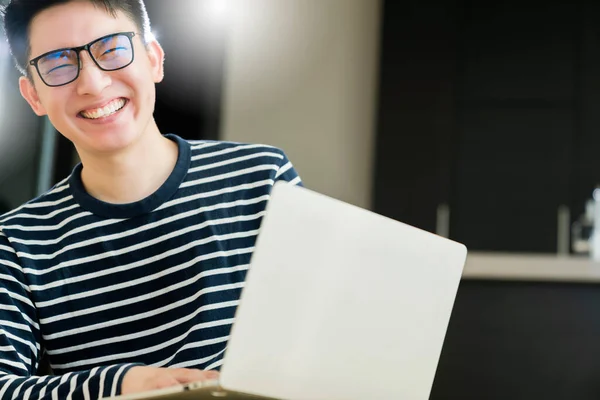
(144, 86)
(55, 100)
(56, 111)
(152, 94)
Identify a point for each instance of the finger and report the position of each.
(186, 375)
(165, 380)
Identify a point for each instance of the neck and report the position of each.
(134, 173)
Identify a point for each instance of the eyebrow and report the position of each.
(60, 49)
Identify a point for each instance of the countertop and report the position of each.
(531, 267)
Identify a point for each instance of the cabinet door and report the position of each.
(511, 176)
(415, 110)
(517, 117)
(585, 165)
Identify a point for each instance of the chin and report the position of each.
(108, 142)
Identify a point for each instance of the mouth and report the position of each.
(107, 110)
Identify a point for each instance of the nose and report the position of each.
(92, 80)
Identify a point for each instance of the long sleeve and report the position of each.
(20, 346)
(287, 172)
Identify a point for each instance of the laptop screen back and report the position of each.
(341, 303)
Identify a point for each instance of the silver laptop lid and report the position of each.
(341, 303)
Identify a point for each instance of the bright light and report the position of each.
(218, 11)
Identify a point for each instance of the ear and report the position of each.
(156, 56)
(30, 94)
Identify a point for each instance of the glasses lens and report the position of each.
(113, 52)
(59, 67)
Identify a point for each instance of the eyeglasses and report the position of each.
(62, 66)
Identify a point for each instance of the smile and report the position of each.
(109, 109)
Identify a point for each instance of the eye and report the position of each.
(58, 68)
(114, 50)
(57, 62)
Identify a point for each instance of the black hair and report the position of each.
(18, 14)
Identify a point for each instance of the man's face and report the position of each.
(71, 108)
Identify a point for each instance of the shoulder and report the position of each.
(42, 207)
(219, 147)
(235, 154)
(230, 163)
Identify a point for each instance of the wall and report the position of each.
(301, 75)
(19, 137)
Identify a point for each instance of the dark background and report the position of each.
(521, 341)
(492, 109)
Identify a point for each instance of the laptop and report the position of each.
(339, 303)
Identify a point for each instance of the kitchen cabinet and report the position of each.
(488, 120)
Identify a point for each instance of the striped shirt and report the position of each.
(102, 287)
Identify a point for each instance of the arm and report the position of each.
(287, 172)
(20, 347)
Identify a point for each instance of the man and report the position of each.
(135, 262)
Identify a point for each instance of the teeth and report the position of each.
(105, 111)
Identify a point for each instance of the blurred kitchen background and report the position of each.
(471, 120)
(479, 121)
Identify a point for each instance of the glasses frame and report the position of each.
(79, 49)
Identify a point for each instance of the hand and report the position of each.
(142, 379)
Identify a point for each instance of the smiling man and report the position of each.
(126, 274)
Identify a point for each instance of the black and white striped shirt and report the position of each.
(101, 287)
